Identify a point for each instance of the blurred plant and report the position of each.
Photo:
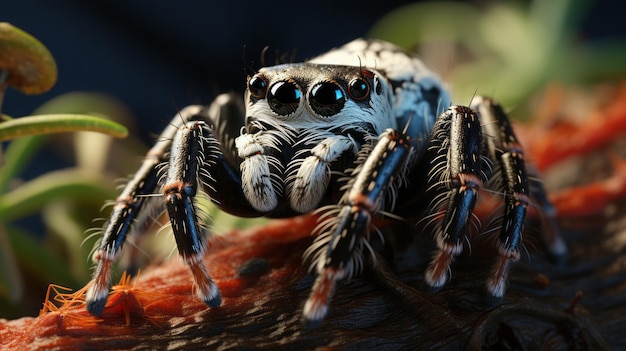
(28, 66)
(503, 49)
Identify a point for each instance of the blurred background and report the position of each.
(139, 62)
(158, 58)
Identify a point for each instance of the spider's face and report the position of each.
(311, 96)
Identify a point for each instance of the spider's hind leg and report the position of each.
(507, 154)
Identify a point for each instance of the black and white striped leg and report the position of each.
(126, 209)
(508, 155)
(196, 161)
(191, 151)
(338, 251)
(552, 238)
(459, 170)
(194, 153)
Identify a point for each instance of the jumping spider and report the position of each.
(362, 131)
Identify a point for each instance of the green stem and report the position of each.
(3, 87)
(58, 123)
(9, 274)
(32, 195)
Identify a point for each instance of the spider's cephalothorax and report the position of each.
(355, 133)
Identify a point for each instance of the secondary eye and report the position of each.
(327, 99)
(257, 87)
(359, 89)
(284, 98)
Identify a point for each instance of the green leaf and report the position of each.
(34, 256)
(33, 195)
(11, 285)
(61, 218)
(17, 155)
(58, 123)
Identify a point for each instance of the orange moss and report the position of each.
(557, 139)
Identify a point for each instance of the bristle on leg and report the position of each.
(206, 289)
(98, 292)
(316, 306)
(437, 274)
(496, 285)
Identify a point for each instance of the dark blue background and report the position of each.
(159, 55)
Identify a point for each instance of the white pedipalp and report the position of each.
(307, 187)
(256, 178)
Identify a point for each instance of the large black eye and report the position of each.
(257, 87)
(359, 89)
(327, 99)
(284, 98)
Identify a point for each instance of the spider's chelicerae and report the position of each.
(364, 130)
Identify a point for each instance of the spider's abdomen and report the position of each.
(418, 94)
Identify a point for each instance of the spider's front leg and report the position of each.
(192, 150)
(127, 207)
(196, 158)
(338, 250)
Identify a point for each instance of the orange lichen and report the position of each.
(125, 299)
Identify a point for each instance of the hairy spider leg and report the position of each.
(341, 247)
(125, 211)
(502, 139)
(187, 157)
(557, 248)
(198, 154)
(508, 155)
(458, 170)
